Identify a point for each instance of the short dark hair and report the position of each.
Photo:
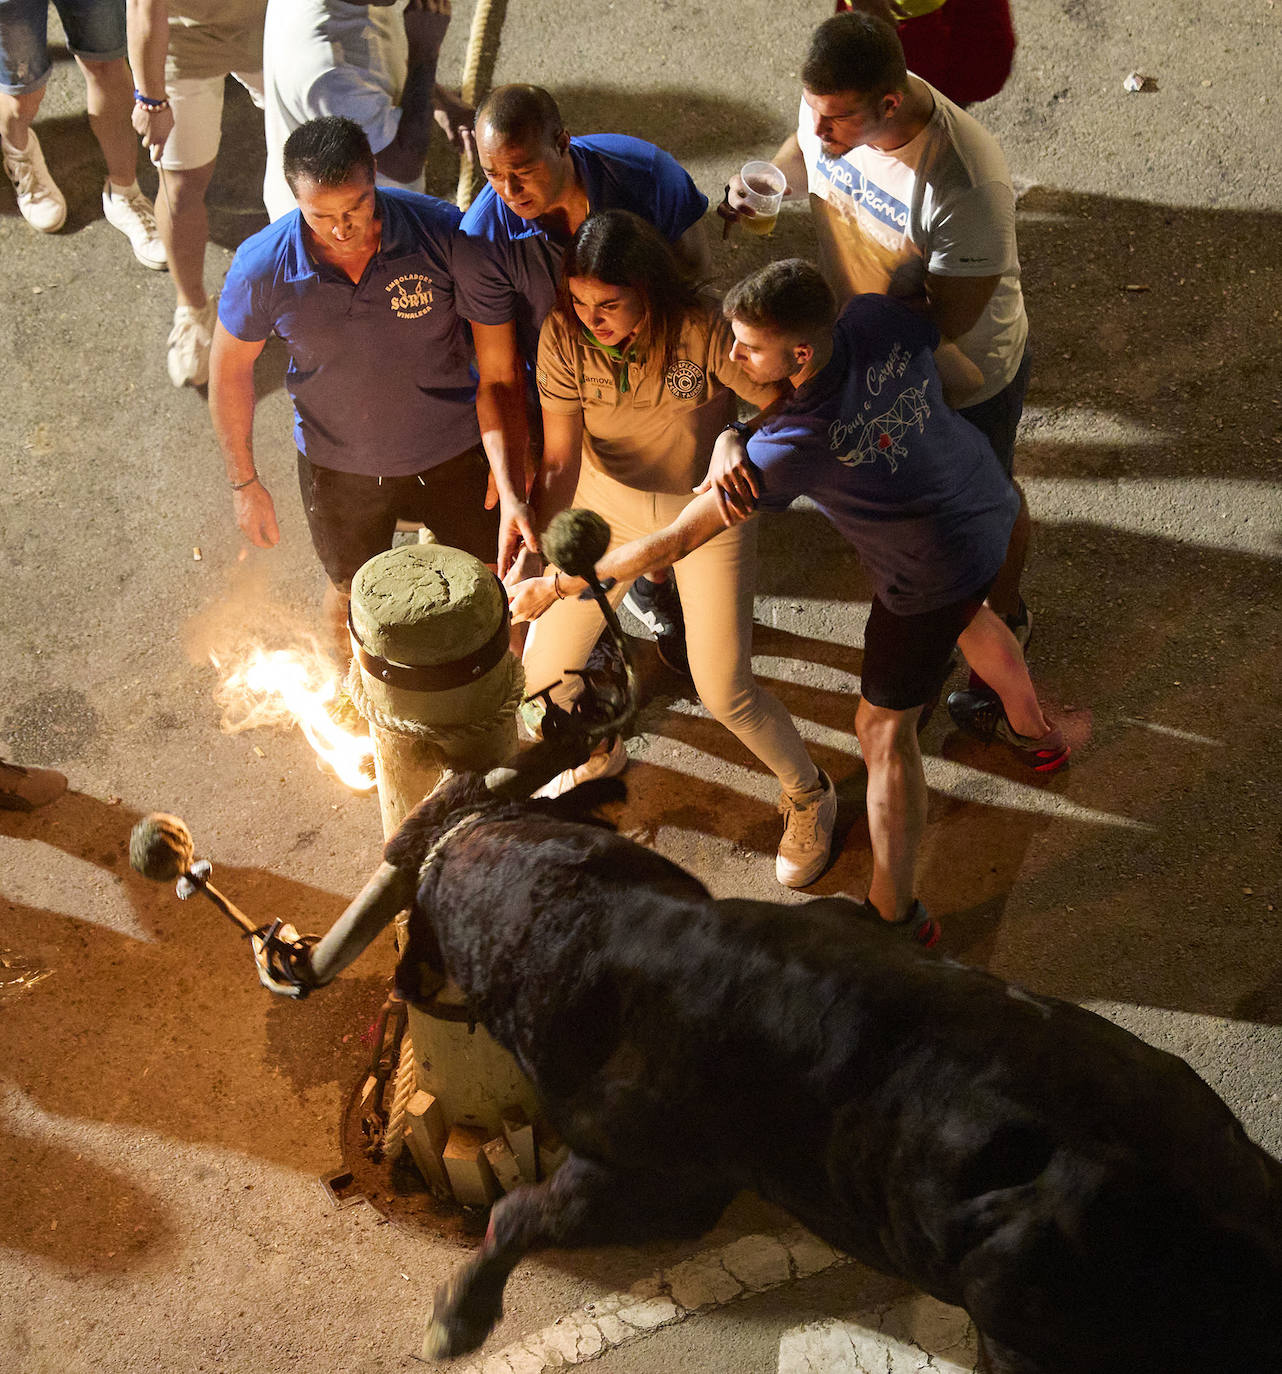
(521, 114)
(621, 249)
(327, 151)
(790, 296)
(853, 51)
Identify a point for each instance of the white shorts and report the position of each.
(197, 105)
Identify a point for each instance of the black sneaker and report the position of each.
(658, 607)
(981, 715)
(916, 924)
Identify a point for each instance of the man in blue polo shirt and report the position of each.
(542, 185)
(358, 282)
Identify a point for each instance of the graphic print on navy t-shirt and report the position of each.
(882, 434)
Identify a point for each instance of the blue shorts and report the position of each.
(95, 30)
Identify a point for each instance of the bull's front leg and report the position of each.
(583, 1203)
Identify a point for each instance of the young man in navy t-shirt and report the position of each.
(867, 436)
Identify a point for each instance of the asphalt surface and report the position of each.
(163, 1123)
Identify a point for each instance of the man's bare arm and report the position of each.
(959, 376)
(693, 251)
(425, 26)
(696, 524)
(956, 303)
(147, 35)
(505, 433)
(231, 406)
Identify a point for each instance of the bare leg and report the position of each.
(896, 803)
(993, 652)
(335, 609)
(1003, 595)
(581, 1204)
(109, 97)
(17, 113)
(184, 227)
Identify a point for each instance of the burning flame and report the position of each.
(293, 687)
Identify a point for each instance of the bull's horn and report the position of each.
(388, 891)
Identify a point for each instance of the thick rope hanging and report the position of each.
(478, 69)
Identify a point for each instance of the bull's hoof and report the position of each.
(437, 1343)
(455, 1327)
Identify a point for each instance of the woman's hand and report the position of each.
(529, 599)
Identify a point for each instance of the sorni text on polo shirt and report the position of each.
(411, 296)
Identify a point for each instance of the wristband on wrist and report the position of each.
(148, 103)
(740, 427)
(249, 482)
(556, 586)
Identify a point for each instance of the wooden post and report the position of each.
(436, 682)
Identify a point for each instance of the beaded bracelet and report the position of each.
(240, 486)
(148, 103)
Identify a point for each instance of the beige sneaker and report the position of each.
(41, 203)
(135, 216)
(807, 834)
(190, 341)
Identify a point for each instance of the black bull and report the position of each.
(1088, 1200)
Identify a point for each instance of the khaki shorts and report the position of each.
(197, 104)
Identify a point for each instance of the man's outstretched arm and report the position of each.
(697, 523)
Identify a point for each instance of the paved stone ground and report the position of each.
(163, 1123)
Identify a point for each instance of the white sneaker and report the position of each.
(190, 341)
(807, 834)
(135, 217)
(608, 763)
(43, 206)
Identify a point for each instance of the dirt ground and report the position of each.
(163, 1122)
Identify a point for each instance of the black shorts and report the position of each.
(997, 418)
(906, 656)
(352, 517)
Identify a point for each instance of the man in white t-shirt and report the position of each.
(912, 198)
(373, 62)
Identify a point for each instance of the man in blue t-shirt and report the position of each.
(358, 283)
(867, 436)
(542, 185)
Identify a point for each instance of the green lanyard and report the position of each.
(619, 356)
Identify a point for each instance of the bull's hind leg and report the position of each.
(995, 1358)
(583, 1203)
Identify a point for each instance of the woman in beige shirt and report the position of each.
(636, 382)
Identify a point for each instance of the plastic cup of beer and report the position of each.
(763, 188)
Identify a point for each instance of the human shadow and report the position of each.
(1158, 656)
(707, 124)
(152, 1020)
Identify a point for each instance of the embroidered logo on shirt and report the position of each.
(883, 436)
(685, 379)
(410, 296)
